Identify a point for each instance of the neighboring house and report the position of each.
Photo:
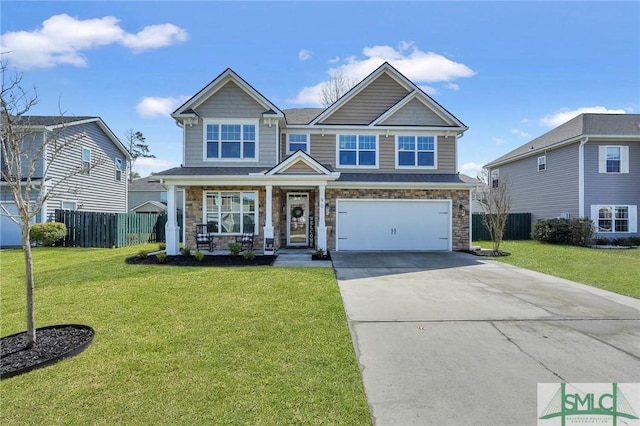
(376, 170)
(148, 195)
(478, 193)
(587, 167)
(101, 188)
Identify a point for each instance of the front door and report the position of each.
(297, 219)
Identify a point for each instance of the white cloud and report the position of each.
(155, 106)
(146, 166)
(62, 39)
(499, 141)
(471, 169)
(423, 68)
(334, 60)
(558, 118)
(304, 55)
(521, 133)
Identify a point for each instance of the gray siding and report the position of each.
(604, 188)
(138, 197)
(31, 143)
(415, 113)
(546, 194)
(230, 102)
(369, 104)
(99, 191)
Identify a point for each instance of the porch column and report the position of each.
(322, 227)
(268, 222)
(172, 230)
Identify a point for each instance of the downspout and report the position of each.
(581, 176)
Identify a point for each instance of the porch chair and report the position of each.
(245, 240)
(205, 237)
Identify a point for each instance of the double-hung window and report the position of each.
(613, 159)
(495, 178)
(231, 212)
(86, 161)
(296, 141)
(358, 151)
(118, 169)
(230, 141)
(416, 151)
(615, 218)
(542, 163)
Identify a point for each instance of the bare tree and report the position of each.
(334, 88)
(137, 148)
(24, 171)
(495, 207)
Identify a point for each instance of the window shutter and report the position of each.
(624, 159)
(602, 159)
(633, 218)
(594, 215)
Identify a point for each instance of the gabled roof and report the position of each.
(299, 157)
(187, 109)
(149, 183)
(413, 92)
(301, 115)
(611, 126)
(159, 205)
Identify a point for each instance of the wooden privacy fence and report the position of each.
(93, 229)
(518, 227)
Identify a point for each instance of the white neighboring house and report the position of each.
(478, 193)
(103, 188)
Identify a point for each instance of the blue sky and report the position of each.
(510, 71)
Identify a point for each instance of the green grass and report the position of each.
(255, 345)
(613, 270)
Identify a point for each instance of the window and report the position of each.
(542, 163)
(163, 196)
(118, 169)
(358, 150)
(68, 205)
(613, 159)
(231, 212)
(86, 161)
(416, 151)
(296, 142)
(495, 178)
(230, 141)
(615, 218)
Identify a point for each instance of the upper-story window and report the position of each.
(118, 169)
(542, 163)
(231, 141)
(296, 141)
(86, 160)
(357, 151)
(613, 159)
(415, 151)
(495, 178)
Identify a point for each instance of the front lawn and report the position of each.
(613, 270)
(178, 345)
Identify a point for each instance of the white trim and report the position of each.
(295, 158)
(158, 204)
(331, 129)
(542, 163)
(115, 167)
(306, 222)
(289, 151)
(82, 149)
(416, 167)
(632, 218)
(581, 177)
(256, 212)
(357, 166)
(74, 202)
(420, 96)
(230, 121)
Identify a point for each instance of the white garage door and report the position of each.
(393, 225)
(10, 234)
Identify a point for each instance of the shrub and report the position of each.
(601, 241)
(186, 251)
(162, 257)
(577, 232)
(635, 241)
(162, 246)
(199, 255)
(249, 255)
(142, 254)
(48, 233)
(234, 249)
(623, 242)
(319, 252)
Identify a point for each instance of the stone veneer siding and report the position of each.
(460, 231)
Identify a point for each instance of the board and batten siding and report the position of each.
(373, 101)
(611, 188)
(414, 113)
(98, 191)
(323, 149)
(546, 194)
(230, 102)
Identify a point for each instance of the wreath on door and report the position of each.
(297, 212)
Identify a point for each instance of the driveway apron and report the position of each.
(453, 339)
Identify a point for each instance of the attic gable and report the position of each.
(299, 163)
(416, 110)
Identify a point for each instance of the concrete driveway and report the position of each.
(452, 339)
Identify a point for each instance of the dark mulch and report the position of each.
(327, 256)
(52, 344)
(215, 260)
(488, 253)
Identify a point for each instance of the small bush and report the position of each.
(623, 242)
(635, 241)
(162, 257)
(576, 232)
(199, 255)
(601, 241)
(249, 255)
(143, 254)
(48, 233)
(162, 246)
(186, 251)
(319, 252)
(234, 249)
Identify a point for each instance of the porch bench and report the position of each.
(245, 240)
(205, 237)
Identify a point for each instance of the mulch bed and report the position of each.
(488, 253)
(327, 256)
(53, 344)
(215, 260)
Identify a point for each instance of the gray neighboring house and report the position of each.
(148, 195)
(101, 189)
(478, 193)
(586, 167)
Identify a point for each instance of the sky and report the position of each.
(509, 70)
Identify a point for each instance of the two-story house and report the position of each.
(147, 195)
(376, 170)
(90, 174)
(586, 167)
